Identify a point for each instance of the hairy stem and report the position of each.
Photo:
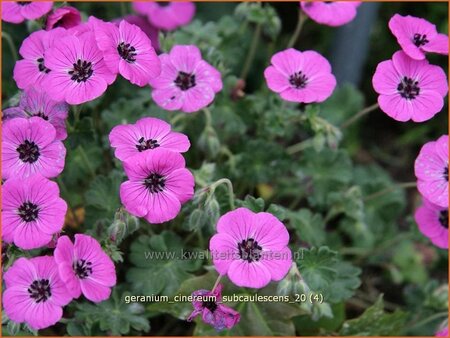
(11, 45)
(358, 115)
(251, 53)
(301, 21)
(390, 189)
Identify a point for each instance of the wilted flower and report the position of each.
(208, 305)
(19, 11)
(128, 50)
(431, 169)
(166, 15)
(85, 268)
(330, 13)
(146, 134)
(34, 102)
(410, 89)
(29, 146)
(158, 185)
(433, 223)
(79, 73)
(32, 211)
(65, 17)
(300, 76)
(32, 69)
(34, 292)
(251, 248)
(417, 36)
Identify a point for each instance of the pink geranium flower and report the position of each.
(34, 292)
(142, 22)
(34, 102)
(300, 76)
(330, 13)
(431, 169)
(29, 146)
(167, 16)
(158, 185)
(128, 50)
(32, 70)
(148, 133)
(433, 223)
(251, 248)
(208, 305)
(410, 89)
(85, 268)
(442, 333)
(187, 82)
(417, 36)
(19, 11)
(66, 17)
(32, 211)
(79, 73)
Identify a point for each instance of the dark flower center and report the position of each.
(82, 268)
(184, 81)
(408, 88)
(41, 66)
(146, 144)
(155, 183)
(82, 71)
(42, 115)
(28, 211)
(249, 250)
(298, 80)
(23, 3)
(40, 290)
(210, 305)
(127, 52)
(443, 218)
(446, 173)
(28, 152)
(163, 3)
(420, 40)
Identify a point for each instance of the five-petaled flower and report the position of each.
(147, 133)
(19, 11)
(85, 268)
(208, 304)
(300, 76)
(35, 294)
(417, 36)
(410, 89)
(187, 82)
(251, 248)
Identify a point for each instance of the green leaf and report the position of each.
(375, 322)
(278, 211)
(308, 226)
(252, 203)
(160, 264)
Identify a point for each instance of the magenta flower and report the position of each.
(37, 103)
(442, 333)
(148, 133)
(431, 169)
(417, 36)
(300, 76)
(85, 268)
(410, 89)
(32, 70)
(32, 211)
(66, 17)
(433, 223)
(251, 248)
(128, 50)
(34, 292)
(167, 16)
(208, 304)
(19, 11)
(187, 82)
(142, 22)
(79, 73)
(29, 146)
(158, 185)
(330, 13)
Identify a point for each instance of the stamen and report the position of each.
(249, 250)
(184, 81)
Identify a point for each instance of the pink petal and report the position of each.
(251, 275)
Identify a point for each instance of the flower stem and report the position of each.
(301, 21)
(216, 283)
(298, 147)
(86, 161)
(251, 52)
(208, 118)
(360, 114)
(230, 190)
(65, 192)
(390, 189)
(11, 45)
